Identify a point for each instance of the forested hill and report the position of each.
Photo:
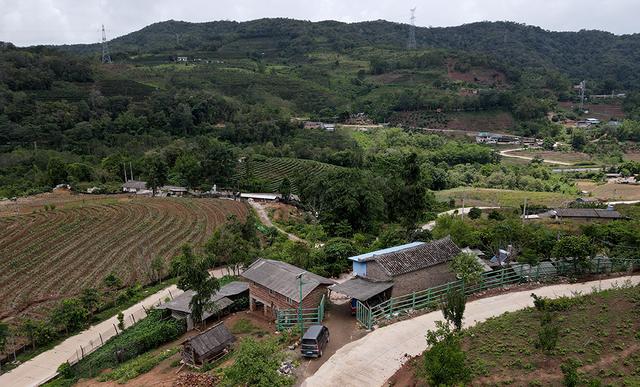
(594, 55)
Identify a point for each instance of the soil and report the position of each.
(567, 157)
(343, 329)
(164, 375)
(603, 112)
(610, 191)
(599, 332)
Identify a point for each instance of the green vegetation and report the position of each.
(444, 363)
(143, 336)
(137, 366)
(256, 364)
(593, 343)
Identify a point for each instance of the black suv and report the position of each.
(315, 339)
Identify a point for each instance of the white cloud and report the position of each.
(26, 22)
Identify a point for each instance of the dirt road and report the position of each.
(264, 218)
(373, 359)
(506, 153)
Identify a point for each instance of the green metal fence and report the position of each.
(304, 317)
(432, 297)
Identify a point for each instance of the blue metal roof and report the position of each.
(369, 256)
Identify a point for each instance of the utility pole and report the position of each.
(524, 210)
(463, 199)
(583, 86)
(131, 169)
(300, 323)
(106, 58)
(125, 172)
(411, 43)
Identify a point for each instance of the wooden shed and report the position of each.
(207, 346)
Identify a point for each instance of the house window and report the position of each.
(290, 300)
(270, 291)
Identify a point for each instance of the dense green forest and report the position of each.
(232, 115)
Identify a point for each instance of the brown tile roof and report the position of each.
(419, 257)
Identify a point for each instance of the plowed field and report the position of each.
(48, 255)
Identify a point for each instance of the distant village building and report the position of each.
(587, 214)
(171, 190)
(207, 346)
(182, 59)
(261, 197)
(276, 285)
(134, 186)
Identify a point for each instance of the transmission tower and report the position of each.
(106, 58)
(583, 87)
(411, 43)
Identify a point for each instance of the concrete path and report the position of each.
(506, 153)
(462, 210)
(264, 218)
(44, 366)
(373, 359)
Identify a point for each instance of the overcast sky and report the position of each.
(27, 22)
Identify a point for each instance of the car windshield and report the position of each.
(308, 342)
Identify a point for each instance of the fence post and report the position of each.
(82, 351)
(116, 328)
(170, 295)
(413, 300)
(598, 265)
(370, 319)
(462, 286)
(502, 277)
(133, 318)
(101, 342)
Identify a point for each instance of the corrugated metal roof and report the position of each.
(211, 341)
(135, 184)
(361, 288)
(181, 303)
(370, 256)
(418, 257)
(587, 213)
(281, 278)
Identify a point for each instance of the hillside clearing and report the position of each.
(489, 197)
(49, 255)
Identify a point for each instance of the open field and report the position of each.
(49, 255)
(610, 191)
(632, 156)
(565, 157)
(273, 170)
(601, 111)
(489, 197)
(598, 331)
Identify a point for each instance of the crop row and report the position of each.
(54, 254)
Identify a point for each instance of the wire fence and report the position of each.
(99, 338)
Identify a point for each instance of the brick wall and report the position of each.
(278, 301)
(414, 281)
(422, 279)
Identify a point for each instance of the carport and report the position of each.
(364, 290)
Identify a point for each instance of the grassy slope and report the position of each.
(600, 331)
(502, 197)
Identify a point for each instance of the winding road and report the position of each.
(264, 218)
(373, 359)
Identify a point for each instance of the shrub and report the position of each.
(143, 336)
(467, 268)
(570, 372)
(256, 364)
(496, 215)
(444, 363)
(453, 308)
(475, 213)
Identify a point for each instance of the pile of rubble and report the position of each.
(190, 379)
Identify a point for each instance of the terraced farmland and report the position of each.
(48, 255)
(273, 170)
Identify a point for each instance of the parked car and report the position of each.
(314, 341)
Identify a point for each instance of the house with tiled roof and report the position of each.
(404, 269)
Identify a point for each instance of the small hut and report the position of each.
(207, 346)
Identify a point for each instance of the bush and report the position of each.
(570, 372)
(496, 215)
(256, 364)
(475, 213)
(143, 336)
(453, 308)
(444, 363)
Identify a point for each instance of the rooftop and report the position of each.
(282, 278)
(372, 255)
(418, 257)
(588, 213)
(360, 288)
(213, 339)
